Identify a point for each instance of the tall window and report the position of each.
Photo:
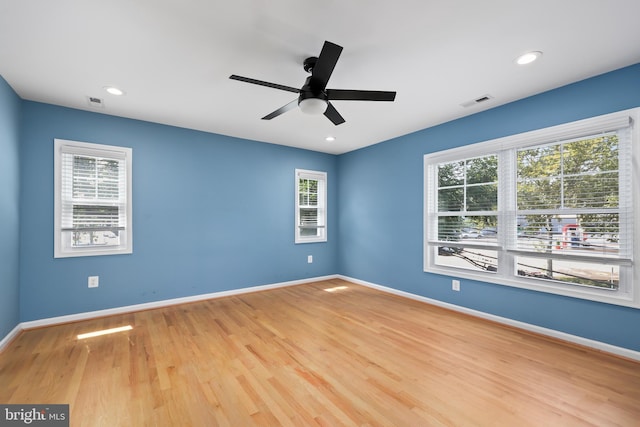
(568, 202)
(92, 199)
(311, 206)
(550, 210)
(467, 193)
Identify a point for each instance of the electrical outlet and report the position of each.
(93, 281)
(310, 259)
(455, 285)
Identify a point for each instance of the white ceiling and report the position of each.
(174, 58)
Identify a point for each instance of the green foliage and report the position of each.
(469, 185)
(573, 175)
(308, 192)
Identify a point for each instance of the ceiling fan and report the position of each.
(314, 97)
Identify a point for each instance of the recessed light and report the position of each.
(330, 138)
(528, 57)
(114, 90)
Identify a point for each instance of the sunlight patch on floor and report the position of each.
(336, 288)
(105, 332)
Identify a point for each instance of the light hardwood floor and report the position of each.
(302, 356)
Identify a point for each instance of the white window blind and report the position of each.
(467, 197)
(93, 200)
(573, 198)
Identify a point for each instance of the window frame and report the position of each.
(628, 292)
(321, 227)
(64, 250)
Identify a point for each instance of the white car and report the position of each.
(469, 233)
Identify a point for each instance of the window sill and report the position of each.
(316, 240)
(608, 296)
(91, 252)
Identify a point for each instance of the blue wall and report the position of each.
(9, 207)
(210, 213)
(381, 210)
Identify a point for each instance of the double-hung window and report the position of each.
(553, 210)
(311, 206)
(92, 199)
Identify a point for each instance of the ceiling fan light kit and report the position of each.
(314, 97)
(313, 105)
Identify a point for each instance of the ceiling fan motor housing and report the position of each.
(309, 63)
(309, 90)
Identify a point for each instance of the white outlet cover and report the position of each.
(93, 281)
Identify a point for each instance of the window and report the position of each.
(92, 199)
(311, 206)
(549, 210)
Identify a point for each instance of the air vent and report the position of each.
(95, 102)
(479, 100)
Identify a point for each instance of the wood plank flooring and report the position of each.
(302, 356)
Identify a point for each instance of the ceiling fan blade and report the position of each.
(326, 63)
(332, 114)
(359, 95)
(282, 110)
(263, 83)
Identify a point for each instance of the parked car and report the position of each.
(489, 232)
(469, 233)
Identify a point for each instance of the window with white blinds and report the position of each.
(92, 200)
(551, 210)
(311, 206)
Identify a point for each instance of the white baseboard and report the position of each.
(164, 303)
(10, 336)
(597, 345)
